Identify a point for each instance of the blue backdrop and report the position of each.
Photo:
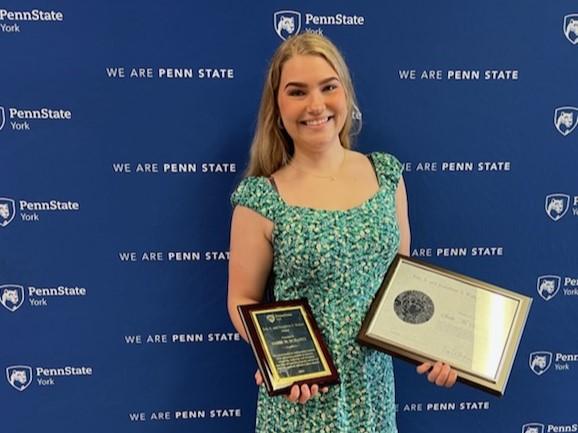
(125, 126)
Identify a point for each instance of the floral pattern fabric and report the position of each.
(336, 259)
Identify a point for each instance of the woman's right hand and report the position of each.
(298, 394)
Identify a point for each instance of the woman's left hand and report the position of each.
(441, 374)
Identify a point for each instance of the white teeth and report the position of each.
(316, 122)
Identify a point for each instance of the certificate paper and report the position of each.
(426, 313)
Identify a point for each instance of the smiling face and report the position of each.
(312, 102)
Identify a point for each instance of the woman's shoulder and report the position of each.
(250, 186)
(251, 182)
(384, 158)
(257, 193)
(387, 167)
(376, 156)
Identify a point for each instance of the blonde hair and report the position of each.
(272, 147)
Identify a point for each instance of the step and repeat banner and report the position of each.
(125, 126)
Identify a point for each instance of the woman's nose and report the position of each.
(316, 103)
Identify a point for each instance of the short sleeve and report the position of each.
(257, 194)
(388, 169)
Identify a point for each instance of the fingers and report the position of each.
(294, 394)
(258, 378)
(421, 369)
(441, 374)
(305, 393)
(314, 390)
(298, 394)
(452, 379)
(435, 371)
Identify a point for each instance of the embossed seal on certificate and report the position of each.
(413, 306)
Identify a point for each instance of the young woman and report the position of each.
(327, 221)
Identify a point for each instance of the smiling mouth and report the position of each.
(316, 122)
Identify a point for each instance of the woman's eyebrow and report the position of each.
(297, 84)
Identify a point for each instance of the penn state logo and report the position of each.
(548, 286)
(2, 118)
(19, 376)
(270, 318)
(533, 428)
(7, 211)
(286, 23)
(565, 119)
(11, 296)
(540, 362)
(557, 205)
(571, 28)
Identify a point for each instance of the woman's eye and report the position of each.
(296, 92)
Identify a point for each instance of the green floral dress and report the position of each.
(337, 260)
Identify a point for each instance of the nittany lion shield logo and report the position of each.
(540, 362)
(533, 428)
(571, 28)
(19, 376)
(565, 119)
(557, 205)
(7, 211)
(286, 23)
(2, 118)
(11, 296)
(548, 286)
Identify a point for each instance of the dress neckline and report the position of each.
(361, 205)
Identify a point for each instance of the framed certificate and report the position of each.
(426, 313)
(287, 345)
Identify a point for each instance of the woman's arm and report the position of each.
(439, 373)
(250, 261)
(402, 218)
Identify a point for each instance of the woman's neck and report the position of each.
(323, 162)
